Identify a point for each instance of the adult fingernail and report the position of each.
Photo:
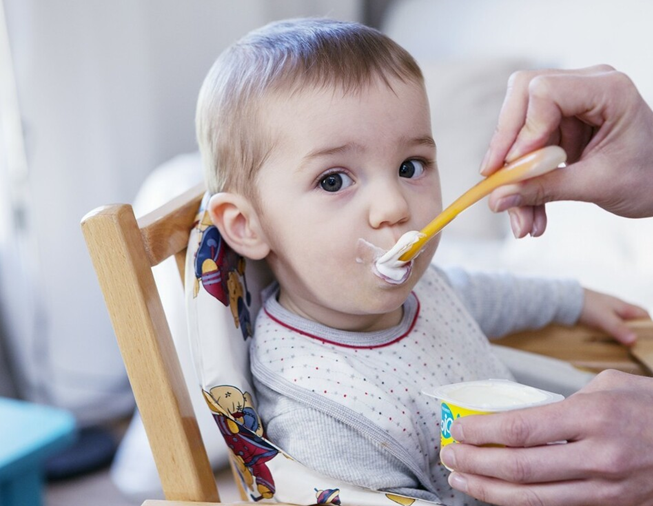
(537, 229)
(458, 481)
(630, 338)
(486, 158)
(457, 432)
(508, 202)
(514, 153)
(515, 224)
(448, 457)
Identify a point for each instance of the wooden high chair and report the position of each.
(125, 249)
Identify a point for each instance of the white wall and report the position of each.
(560, 33)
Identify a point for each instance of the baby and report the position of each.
(316, 139)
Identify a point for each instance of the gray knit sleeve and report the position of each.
(503, 303)
(325, 442)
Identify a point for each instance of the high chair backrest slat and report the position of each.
(165, 230)
(123, 252)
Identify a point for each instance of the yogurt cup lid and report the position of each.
(493, 395)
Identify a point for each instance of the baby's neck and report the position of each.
(338, 320)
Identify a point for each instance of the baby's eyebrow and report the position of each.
(425, 140)
(333, 150)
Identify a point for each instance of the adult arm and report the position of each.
(597, 115)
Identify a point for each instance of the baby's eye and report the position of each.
(335, 181)
(411, 169)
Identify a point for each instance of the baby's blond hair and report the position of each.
(287, 57)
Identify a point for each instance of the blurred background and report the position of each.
(97, 103)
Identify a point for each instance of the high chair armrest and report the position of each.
(588, 348)
(642, 350)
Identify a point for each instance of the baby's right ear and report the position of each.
(238, 223)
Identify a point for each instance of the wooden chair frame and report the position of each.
(124, 250)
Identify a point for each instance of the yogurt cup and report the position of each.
(485, 397)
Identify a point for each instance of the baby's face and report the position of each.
(344, 168)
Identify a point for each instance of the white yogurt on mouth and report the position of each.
(388, 266)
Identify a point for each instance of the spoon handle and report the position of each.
(528, 166)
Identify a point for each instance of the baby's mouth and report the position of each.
(393, 275)
(386, 264)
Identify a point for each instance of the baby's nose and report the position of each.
(389, 206)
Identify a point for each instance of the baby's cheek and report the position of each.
(422, 262)
(366, 252)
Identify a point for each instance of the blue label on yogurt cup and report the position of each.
(446, 421)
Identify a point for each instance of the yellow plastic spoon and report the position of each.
(527, 167)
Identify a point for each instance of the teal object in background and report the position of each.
(29, 434)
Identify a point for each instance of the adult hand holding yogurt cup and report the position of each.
(484, 397)
(606, 460)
